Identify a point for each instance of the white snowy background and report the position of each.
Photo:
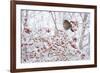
(44, 39)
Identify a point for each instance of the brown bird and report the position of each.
(66, 24)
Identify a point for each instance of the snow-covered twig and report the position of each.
(54, 19)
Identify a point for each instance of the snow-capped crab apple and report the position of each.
(27, 30)
(73, 43)
(74, 26)
(83, 56)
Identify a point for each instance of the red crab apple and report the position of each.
(83, 56)
(27, 30)
(73, 44)
(74, 26)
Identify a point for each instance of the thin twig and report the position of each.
(54, 20)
